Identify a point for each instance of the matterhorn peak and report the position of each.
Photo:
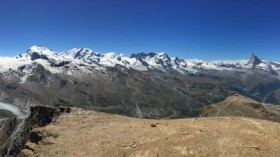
(254, 60)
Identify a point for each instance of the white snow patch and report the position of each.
(12, 108)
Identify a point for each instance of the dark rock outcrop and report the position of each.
(15, 132)
(60, 64)
(35, 56)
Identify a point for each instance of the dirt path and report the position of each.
(87, 133)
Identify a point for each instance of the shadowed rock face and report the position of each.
(14, 132)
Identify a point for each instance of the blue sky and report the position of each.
(204, 29)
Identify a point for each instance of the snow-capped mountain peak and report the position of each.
(39, 49)
(260, 64)
(84, 54)
(254, 60)
(152, 60)
(39, 52)
(80, 52)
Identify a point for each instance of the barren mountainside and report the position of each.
(151, 85)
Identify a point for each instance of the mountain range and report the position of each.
(140, 61)
(150, 85)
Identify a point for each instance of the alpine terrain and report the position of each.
(148, 85)
(40, 84)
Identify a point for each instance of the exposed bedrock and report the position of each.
(14, 132)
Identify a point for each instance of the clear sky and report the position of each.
(203, 29)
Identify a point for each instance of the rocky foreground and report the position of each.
(89, 133)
